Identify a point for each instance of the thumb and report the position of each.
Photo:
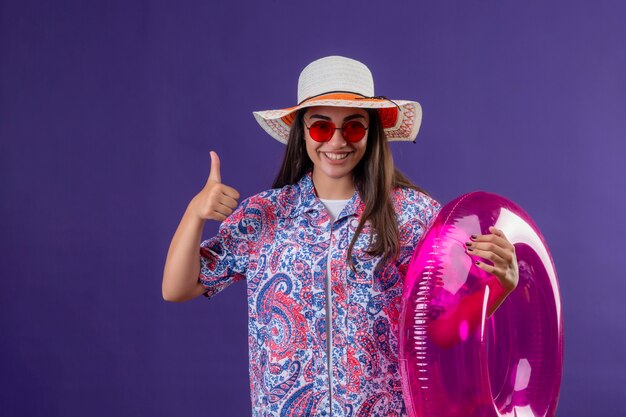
(215, 168)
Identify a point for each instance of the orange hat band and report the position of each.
(388, 115)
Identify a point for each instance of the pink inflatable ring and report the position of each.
(454, 359)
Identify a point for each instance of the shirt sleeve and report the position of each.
(419, 215)
(224, 257)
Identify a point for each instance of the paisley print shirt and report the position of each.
(279, 242)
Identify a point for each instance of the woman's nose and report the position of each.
(337, 140)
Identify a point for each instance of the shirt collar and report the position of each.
(301, 197)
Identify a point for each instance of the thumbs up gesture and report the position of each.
(216, 201)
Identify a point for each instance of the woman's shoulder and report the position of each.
(403, 196)
(266, 198)
(410, 203)
(279, 201)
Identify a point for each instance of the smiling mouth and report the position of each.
(336, 156)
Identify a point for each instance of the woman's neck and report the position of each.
(333, 189)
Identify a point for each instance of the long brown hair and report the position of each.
(375, 176)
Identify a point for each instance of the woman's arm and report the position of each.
(182, 266)
(216, 201)
(467, 314)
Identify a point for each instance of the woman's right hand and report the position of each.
(216, 201)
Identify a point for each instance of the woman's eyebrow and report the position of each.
(354, 116)
(319, 116)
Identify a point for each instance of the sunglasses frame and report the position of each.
(336, 128)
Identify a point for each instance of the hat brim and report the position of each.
(401, 119)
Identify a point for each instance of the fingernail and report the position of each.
(470, 249)
(476, 263)
(468, 243)
(473, 237)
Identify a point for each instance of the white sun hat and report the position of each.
(343, 82)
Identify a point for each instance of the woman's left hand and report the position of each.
(496, 248)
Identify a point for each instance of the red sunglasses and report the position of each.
(322, 130)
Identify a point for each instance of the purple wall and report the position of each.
(108, 111)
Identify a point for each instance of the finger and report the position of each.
(489, 255)
(219, 209)
(500, 234)
(496, 231)
(212, 213)
(230, 191)
(219, 216)
(486, 267)
(229, 202)
(504, 253)
(500, 241)
(223, 210)
(215, 175)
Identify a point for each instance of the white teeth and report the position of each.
(336, 156)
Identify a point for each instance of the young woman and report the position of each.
(324, 252)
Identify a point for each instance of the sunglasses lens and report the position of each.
(322, 131)
(353, 131)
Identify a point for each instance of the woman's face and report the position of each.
(336, 158)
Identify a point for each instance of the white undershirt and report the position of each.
(334, 208)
